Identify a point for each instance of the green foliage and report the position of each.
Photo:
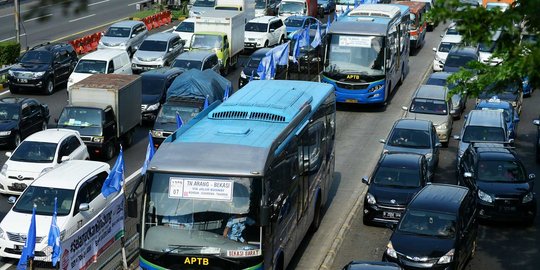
(477, 25)
(9, 51)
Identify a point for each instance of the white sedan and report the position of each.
(38, 154)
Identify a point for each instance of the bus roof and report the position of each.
(360, 26)
(237, 137)
(377, 10)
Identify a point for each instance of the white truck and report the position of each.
(221, 31)
(247, 6)
(104, 109)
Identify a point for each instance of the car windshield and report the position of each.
(253, 62)
(36, 57)
(291, 7)
(43, 199)
(256, 27)
(456, 60)
(153, 46)
(188, 27)
(294, 22)
(452, 31)
(488, 47)
(362, 55)
(9, 112)
(152, 85)
(428, 223)
(204, 3)
(500, 171)
(168, 112)
(412, 138)
(485, 134)
(34, 152)
(187, 64)
(446, 46)
(206, 42)
(80, 117)
(91, 66)
(397, 176)
(429, 106)
(439, 82)
(118, 32)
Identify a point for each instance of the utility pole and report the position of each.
(17, 21)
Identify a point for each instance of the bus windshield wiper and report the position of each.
(178, 247)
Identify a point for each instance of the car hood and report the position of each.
(113, 41)
(254, 34)
(424, 246)
(436, 119)
(26, 169)
(7, 125)
(450, 69)
(506, 190)
(145, 55)
(385, 194)
(29, 67)
(167, 126)
(18, 223)
(150, 99)
(421, 151)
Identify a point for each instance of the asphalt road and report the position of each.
(59, 26)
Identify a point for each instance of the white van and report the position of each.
(100, 62)
(185, 30)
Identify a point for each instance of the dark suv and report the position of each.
(42, 68)
(500, 180)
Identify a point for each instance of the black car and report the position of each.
(154, 90)
(507, 91)
(458, 57)
(498, 176)
(537, 144)
(249, 71)
(19, 118)
(42, 68)
(308, 58)
(437, 231)
(359, 265)
(395, 180)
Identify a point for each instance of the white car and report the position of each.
(77, 186)
(486, 50)
(185, 31)
(441, 52)
(38, 154)
(264, 31)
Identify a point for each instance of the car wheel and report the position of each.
(16, 140)
(44, 125)
(109, 151)
(49, 87)
(128, 139)
(366, 220)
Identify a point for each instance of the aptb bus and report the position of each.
(239, 186)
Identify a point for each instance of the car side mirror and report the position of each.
(272, 30)
(456, 137)
(516, 120)
(84, 207)
(536, 122)
(442, 35)
(435, 49)
(170, 49)
(404, 108)
(65, 158)
(265, 215)
(382, 141)
(365, 180)
(12, 199)
(532, 176)
(134, 35)
(467, 174)
(452, 111)
(438, 144)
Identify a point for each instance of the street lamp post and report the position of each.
(17, 15)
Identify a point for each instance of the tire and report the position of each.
(16, 140)
(49, 88)
(128, 139)
(109, 151)
(225, 69)
(266, 44)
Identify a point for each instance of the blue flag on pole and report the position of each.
(53, 240)
(114, 180)
(149, 154)
(226, 94)
(205, 103)
(318, 38)
(251, 77)
(30, 244)
(328, 25)
(281, 54)
(179, 121)
(356, 3)
(267, 68)
(296, 49)
(304, 37)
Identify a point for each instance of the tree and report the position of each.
(520, 57)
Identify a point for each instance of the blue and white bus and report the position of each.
(240, 185)
(367, 53)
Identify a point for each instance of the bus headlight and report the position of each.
(375, 88)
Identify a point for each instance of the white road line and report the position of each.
(97, 3)
(132, 4)
(82, 18)
(6, 266)
(37, 18)
(13, 37)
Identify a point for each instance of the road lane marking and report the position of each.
(13, 37)
(132, 4)
(97, 3)
(6, 266)
(88, 30)
(82, 18)
(40, 17)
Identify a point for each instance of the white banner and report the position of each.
(84, 247)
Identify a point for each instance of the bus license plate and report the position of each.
(351, 101)
(391, 215)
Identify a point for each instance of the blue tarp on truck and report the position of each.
(196, 84)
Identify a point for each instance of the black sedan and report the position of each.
(19, 118)
(249, 70)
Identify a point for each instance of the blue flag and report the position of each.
(266, 68)
(29, 245)
(251, 77)
(328, 25)
(335, 17)
(281, 54)
(149, 154)
(205, 103)
(113, 182)
(179, 121)
(54, 237)
(304, 37)
(318, 38)
(226, 94)
(296, 49)
(356, 3)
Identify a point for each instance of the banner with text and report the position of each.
(84, 247)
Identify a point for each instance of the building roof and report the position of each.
(70, 173)
(439, 197)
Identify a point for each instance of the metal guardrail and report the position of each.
(4, 70)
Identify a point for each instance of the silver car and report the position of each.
(125, 35)
(156, 51)
(429, 103)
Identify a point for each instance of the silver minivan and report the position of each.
(156, 51)
(125, 35)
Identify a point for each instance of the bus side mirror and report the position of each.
(265, 215)
(132, 206)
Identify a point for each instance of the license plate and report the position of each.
(351, 101)
(391, 215)
(23, 80)
(508, 208)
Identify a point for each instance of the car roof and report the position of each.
(260, 52)
(161, 36)
(400, 159)
(439, 197)
(415, 124)
(431, 92)
(488, 118)
(440, 75)
(451, 38)
(464, 50)
(70, 174)
(264, 19)
(494, 151)
(49, 46)
(51, 135)
(15, 100)
(104, 55)
(126, 24)
(195, 55)
(492, 103)
(162, 72)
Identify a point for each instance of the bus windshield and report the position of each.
(202, 215)
(362, 55)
